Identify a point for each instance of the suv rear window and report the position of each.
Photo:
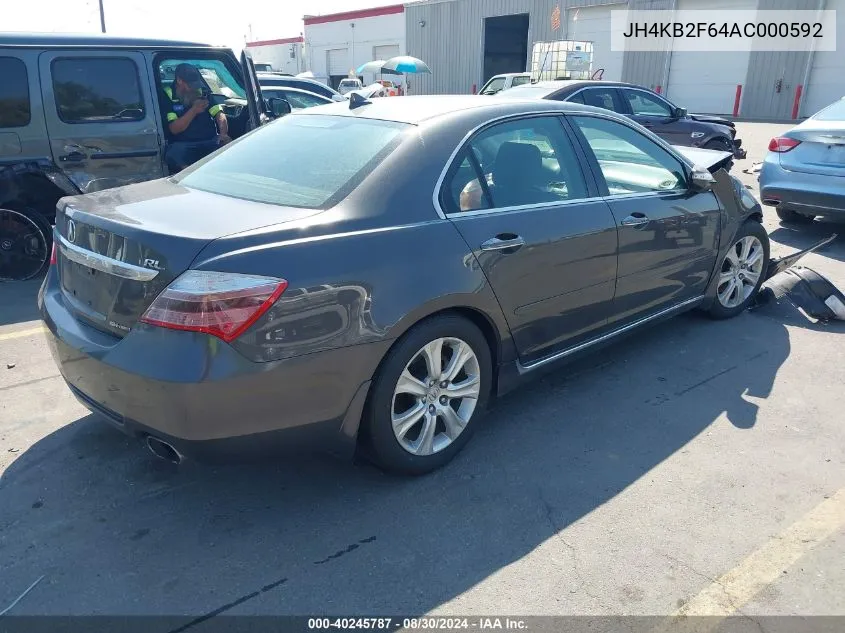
(295, 161)
(96, 90)
(14, 93)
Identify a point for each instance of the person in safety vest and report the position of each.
(197, 128)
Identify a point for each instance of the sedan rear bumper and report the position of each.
(200, 395)
(812, 194)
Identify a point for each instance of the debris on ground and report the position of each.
(10, 365)
(803, 287)
(755, 168)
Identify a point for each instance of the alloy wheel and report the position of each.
(23, 246)
(435, 396)
(740, 272)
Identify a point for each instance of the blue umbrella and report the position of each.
(406, 64)
(375, 67)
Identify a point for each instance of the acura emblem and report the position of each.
(71, 231)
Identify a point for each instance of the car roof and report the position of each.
(92, 40)
(416, 110)
(551, 86)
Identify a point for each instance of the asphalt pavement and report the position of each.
(695, 468)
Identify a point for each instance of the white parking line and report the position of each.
(22, 333)
(728, 593)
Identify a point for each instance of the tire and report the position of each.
(719, 144)
(728, 304)
(409, 450)
(793, 217)
(26, 242)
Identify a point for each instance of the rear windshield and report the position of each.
(833, 112)
(296, 161)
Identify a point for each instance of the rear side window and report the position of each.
(97, 90)
(599, 98)
(14, 93)
(518, 81)
(493, 86)
(295, 161)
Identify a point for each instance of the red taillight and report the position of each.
(221, 304)
(53, 255)
(781, 144)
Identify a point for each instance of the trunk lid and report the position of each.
(822, 148)
(119, 248)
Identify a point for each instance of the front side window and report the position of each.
(214, 72)
(14, 93)
(309, 173)
(298, 100)
(599, 98)
(493, 86)
(97, 90)
(520, 80)
(645, 104)
(517, 163)
(629, 161)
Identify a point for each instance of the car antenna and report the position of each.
(356, 101)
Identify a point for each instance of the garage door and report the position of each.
(826, 83)
(706, 82)
(386, 52)
(592, 24)
(337, 61)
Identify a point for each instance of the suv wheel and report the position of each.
(26, 240)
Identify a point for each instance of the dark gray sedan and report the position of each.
(368, 276)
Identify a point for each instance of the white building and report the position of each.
(285, 55)
(337, 44)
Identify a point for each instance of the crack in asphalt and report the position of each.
(269, 587)
(572, 551)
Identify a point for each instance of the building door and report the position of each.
(706, 82)
(337, 65)
(505, 45)
(592, 24)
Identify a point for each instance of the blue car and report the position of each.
(803, 174)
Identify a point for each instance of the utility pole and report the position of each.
(102, 17)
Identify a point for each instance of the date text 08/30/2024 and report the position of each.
(417, 624)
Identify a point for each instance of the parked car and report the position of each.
(310, 85)
(82, 114)
(349, 84)
(271, 295)
(803, 174)
(298, 99)
(644, 106)
(499, 83)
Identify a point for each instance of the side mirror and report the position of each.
(681, 113)
(701, 179)
(279, 107)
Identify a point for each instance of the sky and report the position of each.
(198, 20)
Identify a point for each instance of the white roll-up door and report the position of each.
(592, 24)
(337, 61)
(826, 81)
(386, 52)
(706, 82)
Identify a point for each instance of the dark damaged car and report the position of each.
(670, 122)
(376, 299)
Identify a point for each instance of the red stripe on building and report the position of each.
(287, 40)
(354, 15)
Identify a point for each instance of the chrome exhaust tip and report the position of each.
(163, 450)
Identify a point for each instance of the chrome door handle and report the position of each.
(498, 244)
(636, 220)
